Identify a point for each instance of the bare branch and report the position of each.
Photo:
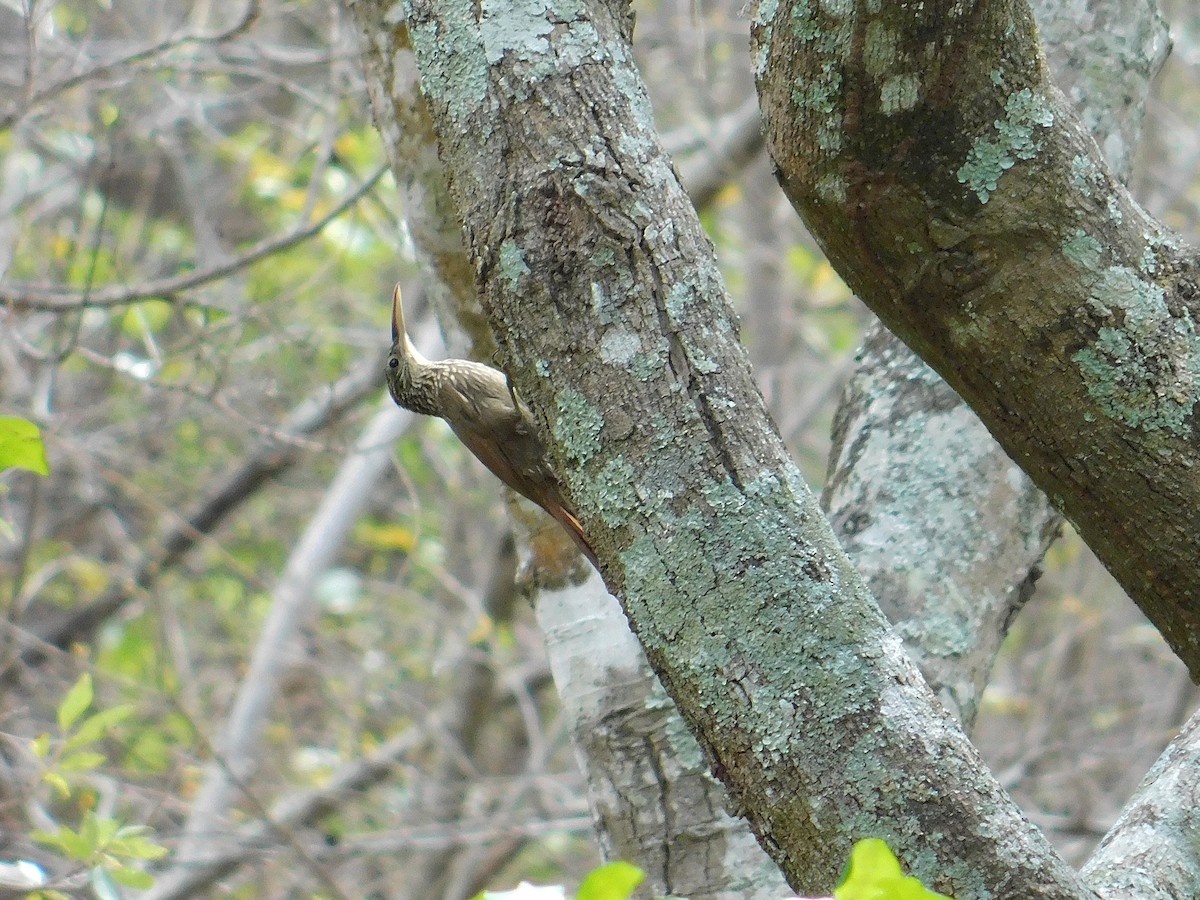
(62, 299)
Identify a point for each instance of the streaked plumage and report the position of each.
(483, 410)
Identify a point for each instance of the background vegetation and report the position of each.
(198, 236)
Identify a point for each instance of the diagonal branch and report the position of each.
(63, 299)
(992, 238)
(753, 618)
(52, 626)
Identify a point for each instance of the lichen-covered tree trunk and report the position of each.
(651, 793)
(613, 321)
(954, 189)
(944, 527)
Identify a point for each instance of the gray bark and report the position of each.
(652, 796)
(993, 239)
(615, 326)
(946, 529)
(636, 820)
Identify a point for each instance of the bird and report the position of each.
(483, 410)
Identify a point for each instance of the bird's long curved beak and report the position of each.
(397, 315)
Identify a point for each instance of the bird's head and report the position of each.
(404, 362)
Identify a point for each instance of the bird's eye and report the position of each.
(393, 362)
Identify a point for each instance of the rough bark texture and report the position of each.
(955, 191)
(1153, 850)
(652, 795)
(615, 326)
(945, 528)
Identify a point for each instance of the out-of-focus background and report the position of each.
(198, 238)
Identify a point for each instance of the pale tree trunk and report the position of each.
(651, 793)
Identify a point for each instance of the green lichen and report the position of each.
(839, 9)
(1148, 263)
(512, 269)
(832, 189)
(619, 346)
(679, 301)
(1113, 206)
(578, 45)
(803, 21)
(1143, 369)
(520, 27)
(647, 366)
(1016, 138)
(577, 426)
(1083, 249)
(880, 49)
(821, 95)
(449, 52)
(1084, 174)
(610, 492)
(899, 93)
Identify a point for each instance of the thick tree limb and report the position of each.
(956, 192)
(635, 821)
(946, 529)
(607, 303)
(652, 796)
(1153, 851)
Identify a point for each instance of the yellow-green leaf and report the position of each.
(21, 446)
(41, 746)
(58, 784)
(136, 847)
(97, 726)
(78, 699)
(874, 873)
(131, 877)
(84, 761)
(614, 881)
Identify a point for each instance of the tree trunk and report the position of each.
(615, 326)
(954, 189)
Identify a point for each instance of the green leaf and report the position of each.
(66, 840)
(131, 877)
(78, 699)
(97, 726)
(41, 745)
(83, 761)
(89, 832)
(103, 827)
(21, 446)
(614, 881)
(135, 846)
(58, 784)
(874, 873)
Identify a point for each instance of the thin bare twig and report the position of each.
(62, 299)
(326, 406)
(313, 553)
(34, 98)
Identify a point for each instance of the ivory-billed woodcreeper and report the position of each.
(483, 410)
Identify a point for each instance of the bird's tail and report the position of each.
(568, 521)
